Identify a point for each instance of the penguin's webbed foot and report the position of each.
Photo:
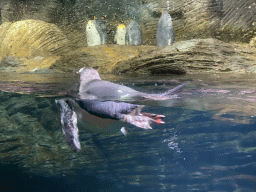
(144, 120)
(157, 118)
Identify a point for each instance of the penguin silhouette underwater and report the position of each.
(100, 108)
(101, 116)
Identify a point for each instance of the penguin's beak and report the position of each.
(79, 71)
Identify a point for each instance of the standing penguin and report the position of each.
(101, 26)
(120, 34)
(165, 33)
(96, 32)
(133, 33)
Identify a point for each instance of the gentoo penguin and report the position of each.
(101, 116)
(93, 87)
(165, 32)
(133, 33)
(120, 34)
(96, 32)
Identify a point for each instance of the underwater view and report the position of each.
(206, 144)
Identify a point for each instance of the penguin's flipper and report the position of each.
(157, 118)
(69, 125)
(139, 121)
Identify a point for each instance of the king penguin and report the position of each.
(165, 32)
(133, 33)
(96, 32)
(120, 34)
(101, 26)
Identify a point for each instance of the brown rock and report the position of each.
(37, 44)
(253, 42)
(193, 56)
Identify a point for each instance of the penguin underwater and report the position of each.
(97, 110)
(101, 116)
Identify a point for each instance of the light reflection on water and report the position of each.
(207, 144)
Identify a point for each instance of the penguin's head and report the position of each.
(88, 74)
(121, 27)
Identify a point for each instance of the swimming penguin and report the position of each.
(96, 32)
(165, 32)
(93, 87)
(120, 34)
(101, 116)
(133, 34)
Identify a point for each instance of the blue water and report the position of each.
(207, 144)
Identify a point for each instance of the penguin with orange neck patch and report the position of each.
(96, 32)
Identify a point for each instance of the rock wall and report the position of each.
(58, 41)
(15, 10)
(223, 19)
(239, 20)
(227, 20)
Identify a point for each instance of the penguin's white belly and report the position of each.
(92, 34)
(96, 124)
(120, 36)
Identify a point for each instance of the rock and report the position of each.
(104, 58)
(223, 19)
(38, 47)
(14, 10)
(193, 57)
(36, 44)
(253, 42)
(23, 104)
(191, 19)
(48, 119)
(227, 20)
(238, 22)
(10, 61)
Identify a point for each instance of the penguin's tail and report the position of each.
(166, 95)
